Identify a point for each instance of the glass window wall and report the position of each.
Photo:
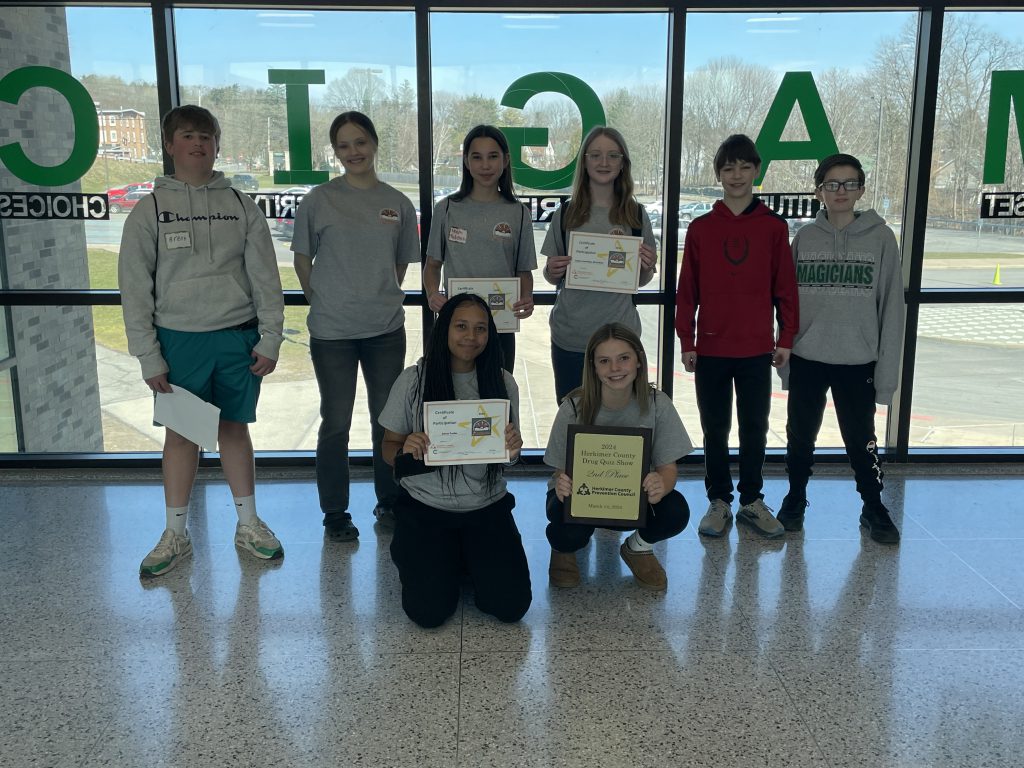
(789, 82)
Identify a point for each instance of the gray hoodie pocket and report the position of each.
(209, 297)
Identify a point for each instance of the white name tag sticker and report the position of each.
(175, 240)
(457, 235)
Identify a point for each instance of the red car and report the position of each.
(127, 201)
(144, 186)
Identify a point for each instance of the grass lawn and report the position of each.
(107, 174)
(108, 322)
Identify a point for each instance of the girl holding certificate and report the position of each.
(602, 203)
(483, 231)
(354, 238)
(451, 520)
(616, 393)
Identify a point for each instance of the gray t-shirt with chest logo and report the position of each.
(356, 238)
(578, 313)
(465, 489)
(474, 239)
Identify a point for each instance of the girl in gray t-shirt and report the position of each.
(354, 238)
(616, 393)
(602, 203)
(451, 517)
(483, 230)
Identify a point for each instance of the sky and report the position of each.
(480, 52)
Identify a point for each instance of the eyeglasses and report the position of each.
(596, 157)
(834, 186)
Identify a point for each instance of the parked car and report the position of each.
(795, 225)
(690, 211)
(121, 203)
(442, 192)
(143, 186)
(245, 182)
(657, 228)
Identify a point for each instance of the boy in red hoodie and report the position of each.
(737, 269)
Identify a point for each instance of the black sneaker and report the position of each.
(338, 527)
(384, 515)
(875, 517)
(791, 513)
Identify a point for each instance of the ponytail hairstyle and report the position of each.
(589, 395)
(625, 209)
(358, 118)
(505, 186)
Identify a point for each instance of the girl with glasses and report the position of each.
(602, 203)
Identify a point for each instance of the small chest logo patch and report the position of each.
(389, 215)
(502, 231)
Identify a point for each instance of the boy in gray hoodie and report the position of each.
(203, 311)
(851, 330)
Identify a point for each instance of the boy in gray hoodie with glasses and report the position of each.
(203, 311)
(851, 331)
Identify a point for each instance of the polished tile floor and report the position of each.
(821, 649)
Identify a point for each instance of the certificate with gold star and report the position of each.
(608, 263)
(500, 293)
(465, 432)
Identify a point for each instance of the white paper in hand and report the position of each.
(189, 416)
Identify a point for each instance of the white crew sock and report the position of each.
(637, 544)
(176, 519)
(246, 509)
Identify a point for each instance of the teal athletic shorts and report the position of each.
(214, 365)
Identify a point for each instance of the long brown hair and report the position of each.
(589, 395)
(625, 210)
(505, 186)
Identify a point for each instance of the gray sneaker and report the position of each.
(716, 520)
(758, 516)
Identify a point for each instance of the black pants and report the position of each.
(431, 546)
(507, 341)
(853, 392)
(665, 519)
(568, 370)
(715, 378)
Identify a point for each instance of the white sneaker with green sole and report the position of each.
(171, 549)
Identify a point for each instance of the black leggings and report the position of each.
(431, 547)
(665, 519)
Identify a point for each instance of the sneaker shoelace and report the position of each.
(166, 544)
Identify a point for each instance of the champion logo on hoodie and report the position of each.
(170, 217)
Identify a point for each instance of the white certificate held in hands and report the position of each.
(465, 432)
(500, 293)
(189, 416)
(608, 263)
